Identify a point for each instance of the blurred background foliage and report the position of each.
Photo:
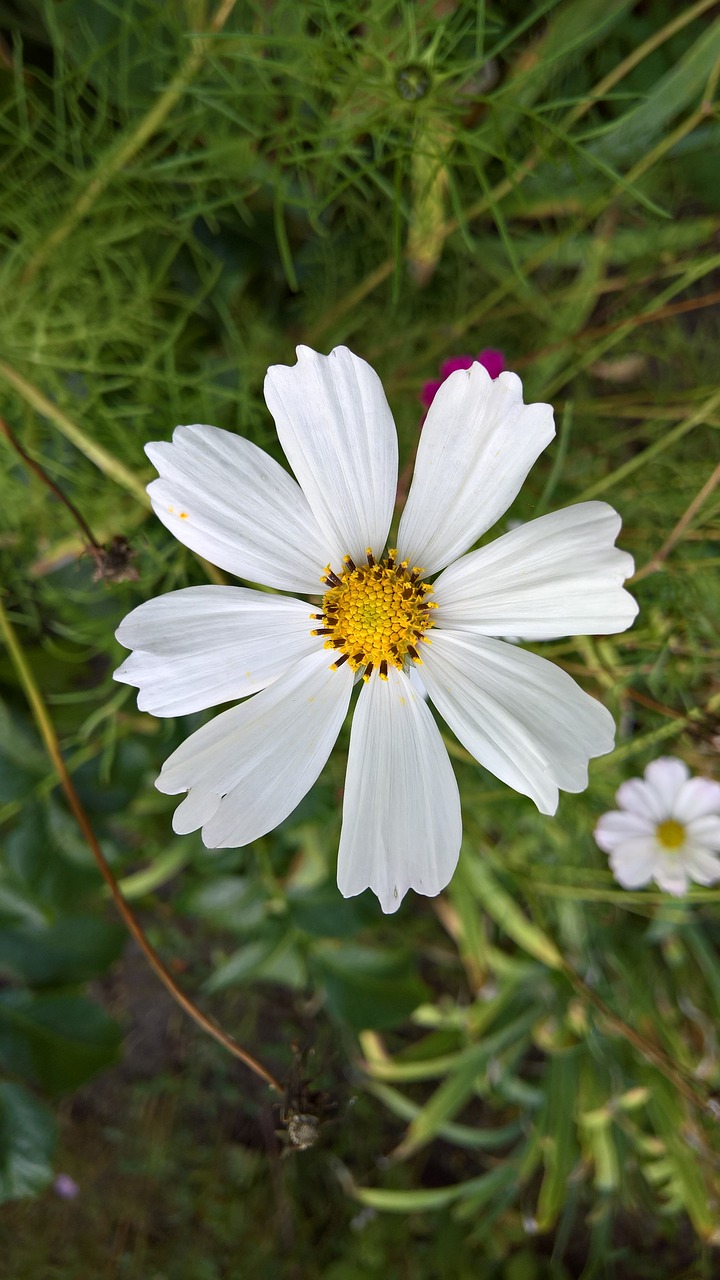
(518, 1076)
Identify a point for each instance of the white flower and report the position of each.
(667, 829)
(521, 717)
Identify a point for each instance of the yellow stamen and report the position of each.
(671, 834)
(376, 614)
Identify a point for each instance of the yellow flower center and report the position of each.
(670, 833)
(376, 614)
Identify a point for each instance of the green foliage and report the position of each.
(27, 1142)
(56, 1041)
(178, 209)
(72, 949)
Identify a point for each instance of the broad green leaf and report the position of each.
(15, 781)
(72, 950)
(246, 962)
(321, 912)
(20, 745)
(16, 909)
(56, 1041)
(228, 902)
(27, 1143)
(39, 867)
(367, 987)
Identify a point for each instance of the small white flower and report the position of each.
(521, 717)
(667, 829)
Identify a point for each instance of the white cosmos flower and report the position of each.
(667, 829)
(324, 533)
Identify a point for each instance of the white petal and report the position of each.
(401, 814)
(201, 646)
(633, 863)
(704, 831)
(697, 798)
(702, 865)
(666, 776)
(413, 675)
(233, 504)
(523, 718)
(670, 875)
(477, 445)
(617, 826)
(251, 766)
(559, 575)
(656, 793)
(336, 428)
(638, 797)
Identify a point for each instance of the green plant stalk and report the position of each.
(52, 746)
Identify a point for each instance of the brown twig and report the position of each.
(43, 475)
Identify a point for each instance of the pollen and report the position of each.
(376, 615)
(671, 834)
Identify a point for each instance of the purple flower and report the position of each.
(65, 1187)
(490, 359)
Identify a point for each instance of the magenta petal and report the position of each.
(454, 363)
(492, 360)
(429, 391)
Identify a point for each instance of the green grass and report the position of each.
(177, 210)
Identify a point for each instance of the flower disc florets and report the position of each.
(375, 613)
(671, 834)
